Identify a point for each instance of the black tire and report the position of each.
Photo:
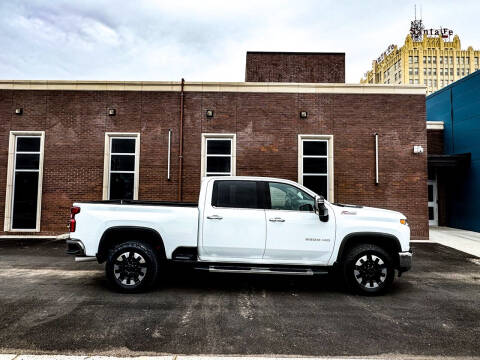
(368, 270)
(132, 267)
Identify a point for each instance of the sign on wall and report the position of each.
(385, 53)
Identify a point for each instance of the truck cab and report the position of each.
(264, 222)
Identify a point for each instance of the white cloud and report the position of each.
(202, 40)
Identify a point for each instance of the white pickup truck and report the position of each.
(243, 225)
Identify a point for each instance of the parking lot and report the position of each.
(50, 304)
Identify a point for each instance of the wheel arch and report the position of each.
(388, 242)
(118, 234)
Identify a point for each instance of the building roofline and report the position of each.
(295, 53)
(174, 86)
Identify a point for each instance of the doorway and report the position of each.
(432, 202)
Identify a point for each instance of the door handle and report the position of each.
(277, 219)
(214, 217)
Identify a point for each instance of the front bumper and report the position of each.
(75, 247)
(404, 261)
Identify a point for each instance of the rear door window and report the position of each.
(238, 194)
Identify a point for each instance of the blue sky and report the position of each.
(204, 40)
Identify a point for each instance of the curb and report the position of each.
(220, 357)
(34, 237)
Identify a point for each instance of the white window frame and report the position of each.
(329, 156)
(107, 161)
(11, 180)
(233, 154)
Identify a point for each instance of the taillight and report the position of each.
(73, 211)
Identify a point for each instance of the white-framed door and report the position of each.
(432, 203)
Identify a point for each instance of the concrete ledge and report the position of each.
(204, 86)
(7, 356)
(435, 125)
(21, 237)
(219, 357)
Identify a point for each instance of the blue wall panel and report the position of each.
(439, 109)
(458, 106)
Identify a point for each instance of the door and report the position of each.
(295, 233)
(432, 203)
(234, 221)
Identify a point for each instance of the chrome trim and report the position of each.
(85, 258)
(235, 208)
(257, 270)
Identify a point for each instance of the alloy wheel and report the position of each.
(370, 271)
(130, 268)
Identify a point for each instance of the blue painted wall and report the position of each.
(458, 106)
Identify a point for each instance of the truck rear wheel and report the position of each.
(368, 270)
(132, 266)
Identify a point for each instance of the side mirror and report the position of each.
(322, 209)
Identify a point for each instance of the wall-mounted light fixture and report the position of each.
(418, 149)
(19, 111)
(209, 113)
(303, 114)
(112, 112)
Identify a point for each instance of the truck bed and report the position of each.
(175, 222)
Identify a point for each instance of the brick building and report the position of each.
(295, 67)
(65, 141)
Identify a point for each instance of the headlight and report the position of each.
(404, 222)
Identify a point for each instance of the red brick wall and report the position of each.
(267, 128)
(435, 141)
(295, 67)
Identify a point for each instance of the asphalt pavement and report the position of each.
(50, 304)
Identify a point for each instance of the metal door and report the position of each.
(432, 203)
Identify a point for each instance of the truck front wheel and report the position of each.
(368, 270)
(132, 266)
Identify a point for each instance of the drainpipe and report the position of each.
(180, 156)
(376, 158)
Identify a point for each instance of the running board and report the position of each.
(262, 270)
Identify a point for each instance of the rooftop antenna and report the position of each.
(416, 27)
